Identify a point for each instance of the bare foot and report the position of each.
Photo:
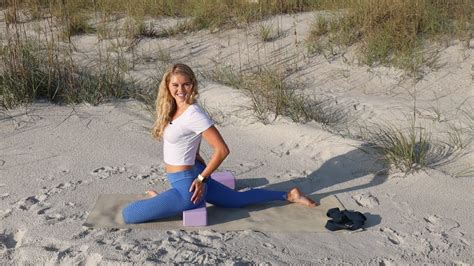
(151, 193)
(296, 196)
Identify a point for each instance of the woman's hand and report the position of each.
(198, 188)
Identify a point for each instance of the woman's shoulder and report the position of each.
(197, 112)
(195, 108)
(198, 120)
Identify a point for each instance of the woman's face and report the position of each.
(180, 88)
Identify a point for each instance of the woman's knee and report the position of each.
(129, 216)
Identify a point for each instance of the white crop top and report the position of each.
(182, 136)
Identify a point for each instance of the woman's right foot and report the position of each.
(296, 196)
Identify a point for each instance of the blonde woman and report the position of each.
(182, 124)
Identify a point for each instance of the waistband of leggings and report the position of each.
(181, 175)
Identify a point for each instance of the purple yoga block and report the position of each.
(225, 178)
(195, 217)
(198, 216)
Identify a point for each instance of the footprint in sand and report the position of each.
(51, 248)
(43, 211)
(366, 200)
(58, 217)
(106, 171)
(157, 256)
(28, 203)
(284, 149)
(63, 186)
(269, 245)
(38, 203)
(11, 239)
(383, 261)
(55, 218)
(84, 233)
(153, 172)
(392, 236)
(246, 167)
(302, 143)
(5, 213)
(138, 177)
(446, 234)
(4, 196)
(441, 226)
(438, 224)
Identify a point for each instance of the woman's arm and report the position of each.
(215, 140)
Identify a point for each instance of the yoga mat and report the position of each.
(276, 216)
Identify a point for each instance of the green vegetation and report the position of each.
(392, 32)
(77, 24)
(406, 149)
(268, 32)
(274, 94)
(205, 14)
(30, 71)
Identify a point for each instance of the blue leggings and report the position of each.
(177, 199)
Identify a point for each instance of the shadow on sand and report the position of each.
(336, 171)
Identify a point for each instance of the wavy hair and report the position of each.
(165, 103)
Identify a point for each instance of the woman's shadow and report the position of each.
(343, 168)
(329, 179)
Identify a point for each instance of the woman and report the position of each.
(182, 124)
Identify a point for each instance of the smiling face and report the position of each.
(180, 88)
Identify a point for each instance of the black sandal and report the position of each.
(350, 220)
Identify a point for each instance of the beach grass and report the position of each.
(31, 71)
(392, 32)
(268, 32)
(274, 94)
(414, 147)
(406, 149)
(226, 75)
(46, 70)
(205, 14)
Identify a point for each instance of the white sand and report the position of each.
(56, 160)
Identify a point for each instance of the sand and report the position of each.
(55, 161)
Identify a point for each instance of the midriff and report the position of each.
(176, 168)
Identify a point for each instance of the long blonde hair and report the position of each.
(165, 103)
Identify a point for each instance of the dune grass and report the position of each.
(205, 14)
(413, 147)
(392, 32)
(268, 32)
(30, 71)
(274, 94)
(404, 148)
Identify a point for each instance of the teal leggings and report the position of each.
(178, 198)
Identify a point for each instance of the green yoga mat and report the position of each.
(277, 216)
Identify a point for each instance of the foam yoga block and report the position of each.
(198, 216)
(195, 217)
(225, 178)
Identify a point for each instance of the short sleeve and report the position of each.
(199, 121)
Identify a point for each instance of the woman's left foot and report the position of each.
(296, 196)
(151, 193)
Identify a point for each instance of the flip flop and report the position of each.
(354, 216)
(350, 220)
(336, 215)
